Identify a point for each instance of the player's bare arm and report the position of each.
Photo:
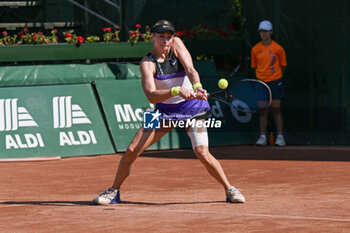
(185, 58)
(153, 95)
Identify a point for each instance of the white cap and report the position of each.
(265, 25)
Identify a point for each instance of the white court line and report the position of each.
(207, 212)
(14, 205)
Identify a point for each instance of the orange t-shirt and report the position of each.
(268, 60)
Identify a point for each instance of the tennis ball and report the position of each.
(223, 83)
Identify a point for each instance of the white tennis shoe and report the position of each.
(262, 141)
(110, 196)
(280, 141)
(234, 195)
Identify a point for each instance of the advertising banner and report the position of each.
(124, 102)
(58, 120)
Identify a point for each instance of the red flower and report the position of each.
(138, 25)
(180, 33)
(34, 38)
(231, 27)
(80, 39)
(54, 31)
(220, 31)
(107, 29)
(68, 35)
(21, 35)
(116, 27)
(4, 33)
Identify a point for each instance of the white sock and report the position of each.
(113, 189)
(280, 136)
(262, 135)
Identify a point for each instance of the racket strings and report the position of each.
(253, 95)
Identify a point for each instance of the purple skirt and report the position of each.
(184, 110)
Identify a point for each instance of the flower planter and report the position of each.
(63, 51)
(53, 52)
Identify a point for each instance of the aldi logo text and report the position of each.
(66, 114)
(22, 142)
(13, 117)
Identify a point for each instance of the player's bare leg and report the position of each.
(212, 165)
(214, 168)
(200, 142)
(143, 139)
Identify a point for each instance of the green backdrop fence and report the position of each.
(101, 116)
(57, 120)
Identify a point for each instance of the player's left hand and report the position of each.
(201, 94)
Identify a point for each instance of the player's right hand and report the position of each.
(186, 94)
(201, 94)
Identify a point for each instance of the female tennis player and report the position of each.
(170, 80)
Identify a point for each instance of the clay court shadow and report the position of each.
(89, 203)
(169, 203)
(48, 203)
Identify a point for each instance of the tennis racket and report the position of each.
(245, 95)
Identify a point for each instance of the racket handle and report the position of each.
(206, 94)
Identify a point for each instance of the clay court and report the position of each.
(290, 189)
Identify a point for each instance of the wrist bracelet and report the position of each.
(175, 90)
(196, 85)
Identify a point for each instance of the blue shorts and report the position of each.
(277, 89)
(184, 110)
